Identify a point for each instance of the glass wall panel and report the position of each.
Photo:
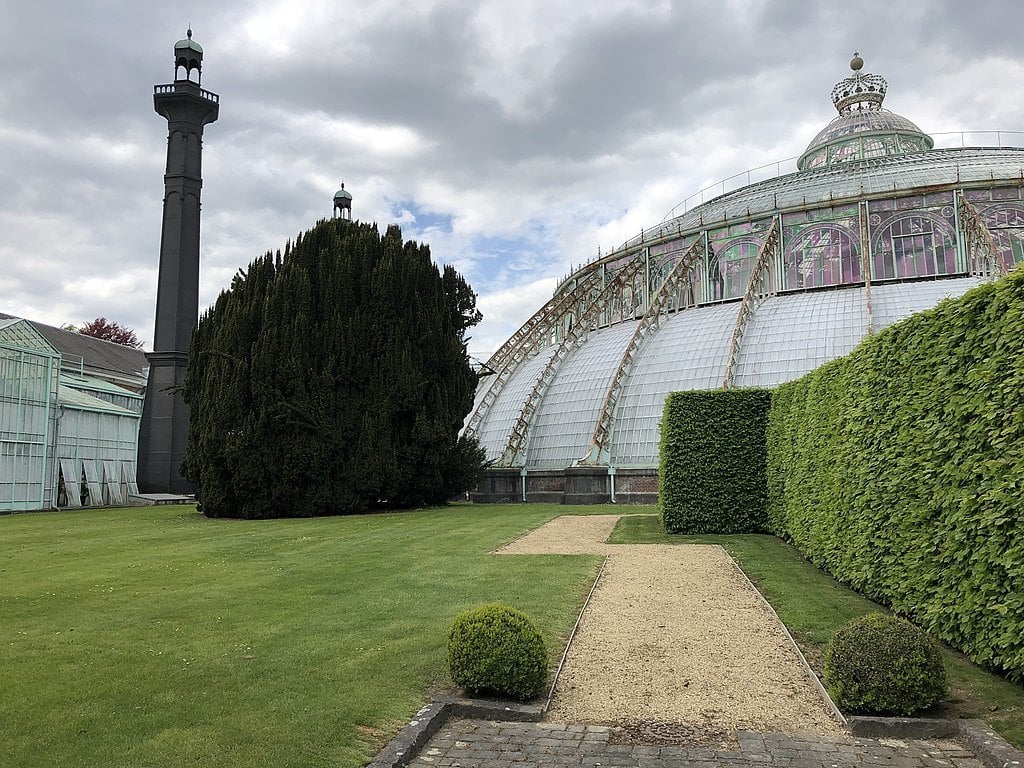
(27, 410)
(911, 239)
(1002, 211)
(790, 335)
(896, 301)
(732, 253)
(497, 424)
(688, 351)
(822, 247)
(565, 421)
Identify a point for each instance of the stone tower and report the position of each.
(164, 432)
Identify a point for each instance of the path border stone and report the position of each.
(572, 634)
(988, 746)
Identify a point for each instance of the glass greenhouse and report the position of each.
(751, 289)
(66, 440)
(29, 370)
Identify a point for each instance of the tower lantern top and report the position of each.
(343, 203)
(188, 55)
(342, 194)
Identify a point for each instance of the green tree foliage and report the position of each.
(712, 473)
(333, 379)
(900, 470)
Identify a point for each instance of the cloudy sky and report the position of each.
(515, 137)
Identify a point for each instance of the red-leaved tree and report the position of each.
(101, 328)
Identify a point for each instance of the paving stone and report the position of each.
(478, 743)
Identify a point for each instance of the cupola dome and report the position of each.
(863, 128)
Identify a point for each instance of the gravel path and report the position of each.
(675, 644)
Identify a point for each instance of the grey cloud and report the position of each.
(626, 100)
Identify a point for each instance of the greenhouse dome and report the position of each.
(750, 289)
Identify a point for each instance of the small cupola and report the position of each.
(863, 129)
(343, 203)
(188, 56)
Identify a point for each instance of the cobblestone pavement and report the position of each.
(480, 744)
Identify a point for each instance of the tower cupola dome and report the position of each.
(343, 203)
(188, 55)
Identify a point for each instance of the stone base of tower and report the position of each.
(163, 435)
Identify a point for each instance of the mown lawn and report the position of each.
(156, 637)
(813, 606)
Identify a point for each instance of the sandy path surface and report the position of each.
(675, 637)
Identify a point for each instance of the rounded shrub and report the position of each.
(882, 664)
(497, 650)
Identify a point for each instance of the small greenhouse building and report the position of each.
(66, 439)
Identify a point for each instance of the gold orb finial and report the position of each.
(856, 63)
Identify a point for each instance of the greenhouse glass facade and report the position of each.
(29, 370)
(751, 289)
(66, 440)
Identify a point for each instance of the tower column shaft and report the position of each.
(163, 433)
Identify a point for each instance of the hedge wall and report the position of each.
(900, 470)
(712, 474)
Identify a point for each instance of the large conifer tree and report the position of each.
(333, 379)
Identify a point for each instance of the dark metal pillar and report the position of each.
(164, 430)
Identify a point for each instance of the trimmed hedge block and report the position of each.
(712, 474)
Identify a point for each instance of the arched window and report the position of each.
(825, 254)
(918, 244)
(729, 267)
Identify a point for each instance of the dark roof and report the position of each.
(97, 354)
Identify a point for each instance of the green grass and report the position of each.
(156, 637)
(813, 606)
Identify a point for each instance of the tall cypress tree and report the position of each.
(333, 380)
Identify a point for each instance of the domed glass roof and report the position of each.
(863, 128)
(876, 225)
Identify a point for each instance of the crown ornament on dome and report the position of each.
(859, 92)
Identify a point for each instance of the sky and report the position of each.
(515, 138)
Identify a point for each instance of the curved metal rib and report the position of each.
(983, 256)
(756, 291)
(597, 454)
(526, 341)
(512, 454)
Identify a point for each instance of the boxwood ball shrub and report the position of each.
(882, 664)
(497, 650)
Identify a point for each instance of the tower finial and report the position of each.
(188, 32)
(859, 91)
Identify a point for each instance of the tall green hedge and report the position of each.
(712, 474)
(900, 470)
